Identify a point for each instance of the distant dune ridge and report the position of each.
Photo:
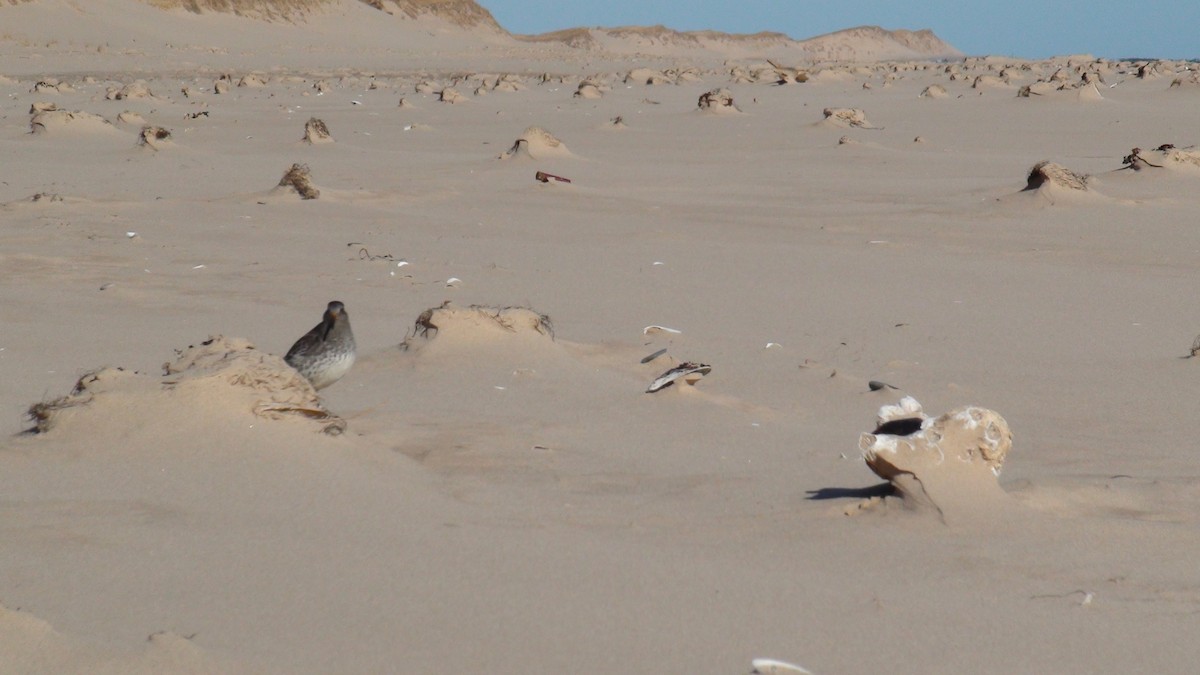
(460, 12)
(864, 43)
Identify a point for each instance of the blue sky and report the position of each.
(1024, 28)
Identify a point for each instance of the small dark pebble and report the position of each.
(655, 355)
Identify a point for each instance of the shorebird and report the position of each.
(326, 352)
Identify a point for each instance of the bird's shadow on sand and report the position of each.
(881, 490)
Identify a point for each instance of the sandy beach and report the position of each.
(491, 489)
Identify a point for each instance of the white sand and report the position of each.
(505, 501)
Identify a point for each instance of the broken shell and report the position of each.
(659, 329)
(688, 372)
(773, 667)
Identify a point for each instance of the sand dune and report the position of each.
(867, 43)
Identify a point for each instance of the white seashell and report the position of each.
(402, 263)
(453, 280)
(199, 267)
(688, 372)
(772, 344)
(659, 329)
(908, 407)
(773, 667)
(131, 235)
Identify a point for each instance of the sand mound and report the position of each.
(537, 143)
(477, 325)
(451, 95)
(1153, 69)
(73, 122)
(646, 76)
(847, 117)
(1083, 90)
(1039, 88)
(684, 74)
(42, 106)
(1057, 185)
(252, 81)
(990, 82)
(130, 118)
(31, 645)
(509, 83)
(155, 138)
(315, 132)
(1181, 158)
(133, 90)
(1048, 175)
(1089, 92)
(718, 102)
(297, 180)
(831, 76)
(1165, 156)
(934, 91)
(588, 89)
(1189, 82)
(51, 86)
(947, 464)
(222, 381)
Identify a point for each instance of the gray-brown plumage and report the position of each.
(326, 352)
